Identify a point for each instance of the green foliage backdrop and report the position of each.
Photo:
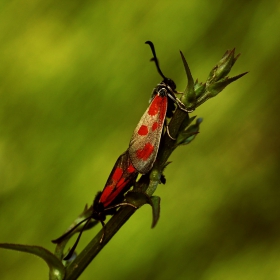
(75, 78)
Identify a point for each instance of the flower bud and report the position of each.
(199, 88)
(223, 67)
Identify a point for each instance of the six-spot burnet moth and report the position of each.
(119, 181)
(106, 202)
(144, 144)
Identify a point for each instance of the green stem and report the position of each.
(75, 269)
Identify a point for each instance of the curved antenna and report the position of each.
(155, 58)
(66, 234)
(72, 250)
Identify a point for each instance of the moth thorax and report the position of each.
(154, 93)
(98, 216)
(170, 84)
(162, 92)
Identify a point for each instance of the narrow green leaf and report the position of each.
(57, 270)
(155, 203)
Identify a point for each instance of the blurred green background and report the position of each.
(75, 78)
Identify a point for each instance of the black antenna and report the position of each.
(155, 58)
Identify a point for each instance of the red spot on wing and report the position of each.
(143, 130)
(131, 169)
(155, 105)
(110, 193)
(145, 153)
(155, 126)
(117, 174)
(106, 193)
(162, 113)
(121, 182)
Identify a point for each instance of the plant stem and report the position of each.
(74, 270)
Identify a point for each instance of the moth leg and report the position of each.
(103, 232)
(180, 104)
(168, 133)
(112, 207)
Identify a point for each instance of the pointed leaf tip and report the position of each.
(188, 97)
(155, 203)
